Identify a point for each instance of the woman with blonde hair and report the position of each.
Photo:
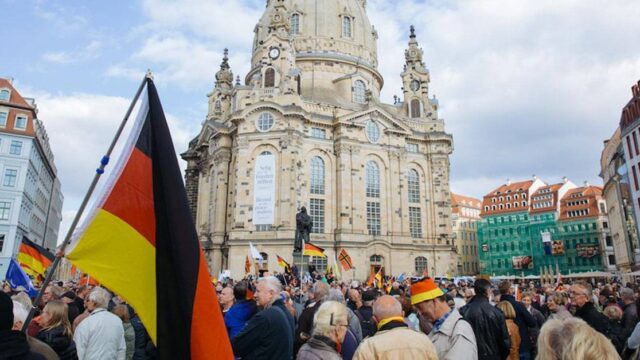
(573, 339)
(56, 329)
(514, 333)
(330, 325)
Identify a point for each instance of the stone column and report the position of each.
(220, 179)
(343, 186)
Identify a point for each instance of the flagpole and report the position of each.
(99, 171)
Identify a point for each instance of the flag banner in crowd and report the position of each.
(33, 258)
(16, 276)
(312, 250)
(285, 265)
(247, 265)
(140, 242)
(345, 260)
(255, 254)
(378, 278)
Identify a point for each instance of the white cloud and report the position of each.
(89, 52)
(80, 128)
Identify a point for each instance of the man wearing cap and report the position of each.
(394, 339)
(452, 336)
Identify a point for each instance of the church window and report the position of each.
(373, 131)
(317, 175)
(269, 78)
(413, 185)
(295, 24)
(346, 27)
(373, 217)
(415, 222)
(412, 148)
(372, 180)
(318, 133)
(218, 106)
(316, 212)
(415, 108)
(359, 90)
(320, 263)
(5, 95)
(264, 122)
(421, 264)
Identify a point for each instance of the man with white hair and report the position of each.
(394, 339)
(101, 335)
(269, 334)
(630, 317)
(14, 344)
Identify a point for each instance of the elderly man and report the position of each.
(226, 299)
(452, 336)
(269, 334)
(581, 297)
(101, 335)
(305, 321)
(630, 316)
(394, 339)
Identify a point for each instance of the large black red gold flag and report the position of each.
(33, 258)
(140, 242)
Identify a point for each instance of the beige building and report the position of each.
(617, 193)
(307, 127)
(465, 214)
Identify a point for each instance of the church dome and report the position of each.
(334, 31)
(330, 26)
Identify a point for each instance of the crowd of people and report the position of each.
(322, 318)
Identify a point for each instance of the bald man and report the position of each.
(394, 339)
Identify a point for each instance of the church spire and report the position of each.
(413, 55)
(224, 76)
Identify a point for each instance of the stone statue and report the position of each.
(303, 228)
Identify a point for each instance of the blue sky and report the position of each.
(525, 87)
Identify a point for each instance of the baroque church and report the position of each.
(306, 128)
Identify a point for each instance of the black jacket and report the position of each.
(490, 328)
(305, 325)
(62, 344)
(524, 320)
(594, 318)
(268, 335)
(629, 318)
(14, 346)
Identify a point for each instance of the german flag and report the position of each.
(140, 242)
(284, 264)
(33, 258)
(345, 260)
(312, 250)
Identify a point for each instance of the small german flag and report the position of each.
(284, 264)
(33, 258)
(312, 250)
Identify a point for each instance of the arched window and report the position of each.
(376, 259)
(373, 131)
(269, 78)
(421, 264)
(415, 108)
(359, 90)
(264, 122)
(295, 23)
(372, 179)
(317, 175)
(346, 27)
(5, 95)
(413, 185)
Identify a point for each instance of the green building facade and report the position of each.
(506, 240)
